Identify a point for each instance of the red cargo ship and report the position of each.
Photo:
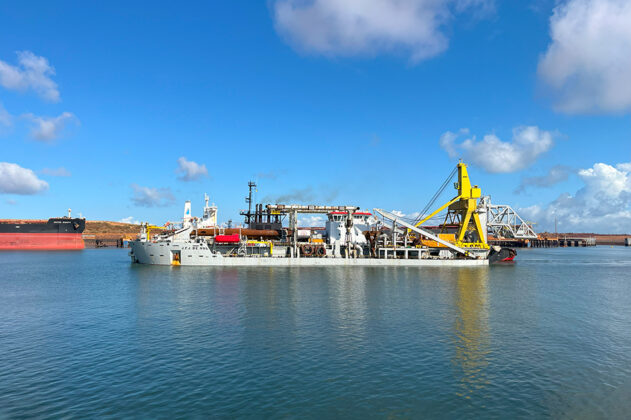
(57, 233)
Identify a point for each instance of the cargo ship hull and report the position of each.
(55, 234)
(40, 241)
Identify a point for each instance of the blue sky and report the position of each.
(319, 101)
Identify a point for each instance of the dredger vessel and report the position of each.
(272, 236)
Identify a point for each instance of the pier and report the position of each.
(105, 234)
(526, 243)
(103, 241)
(574, 242)
(551, 241)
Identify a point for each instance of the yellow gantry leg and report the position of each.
(464, 226)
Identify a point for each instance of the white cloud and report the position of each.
(189, 170)
(496, 156)
(151, 197)
(368, 27)
(403, 215)
(15, 179)
(11, 202)
(61, 171)
(448, 142)
(602, 205)
(32, 72)
(129, 220)
(311, 221)
(407, 216)
(555, 175)
(50, 128)
(588, 62)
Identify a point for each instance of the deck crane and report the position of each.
(463, 210)
(146, 229)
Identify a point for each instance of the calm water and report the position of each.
(88, 334)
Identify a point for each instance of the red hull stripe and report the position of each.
(40, 241)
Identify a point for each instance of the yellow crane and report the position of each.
(462, 209)
(149, 228)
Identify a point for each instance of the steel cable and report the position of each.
(436, 195)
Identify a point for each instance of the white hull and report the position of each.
(193, 254)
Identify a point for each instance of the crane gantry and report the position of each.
(463, 210)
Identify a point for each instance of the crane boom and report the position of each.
(420, 231)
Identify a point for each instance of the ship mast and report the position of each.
(248, 199)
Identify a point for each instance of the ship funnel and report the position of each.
(186, 220)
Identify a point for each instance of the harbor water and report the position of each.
(87, 334)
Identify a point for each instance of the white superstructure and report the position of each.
(209, 217)
(348, 227)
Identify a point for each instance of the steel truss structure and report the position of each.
(504, 222)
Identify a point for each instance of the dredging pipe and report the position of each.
(254, 233)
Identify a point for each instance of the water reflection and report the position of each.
(471, 328)
(348, 302)
(270, 312)
(180, 295)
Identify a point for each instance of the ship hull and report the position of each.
(191, 254)
(40, 241)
